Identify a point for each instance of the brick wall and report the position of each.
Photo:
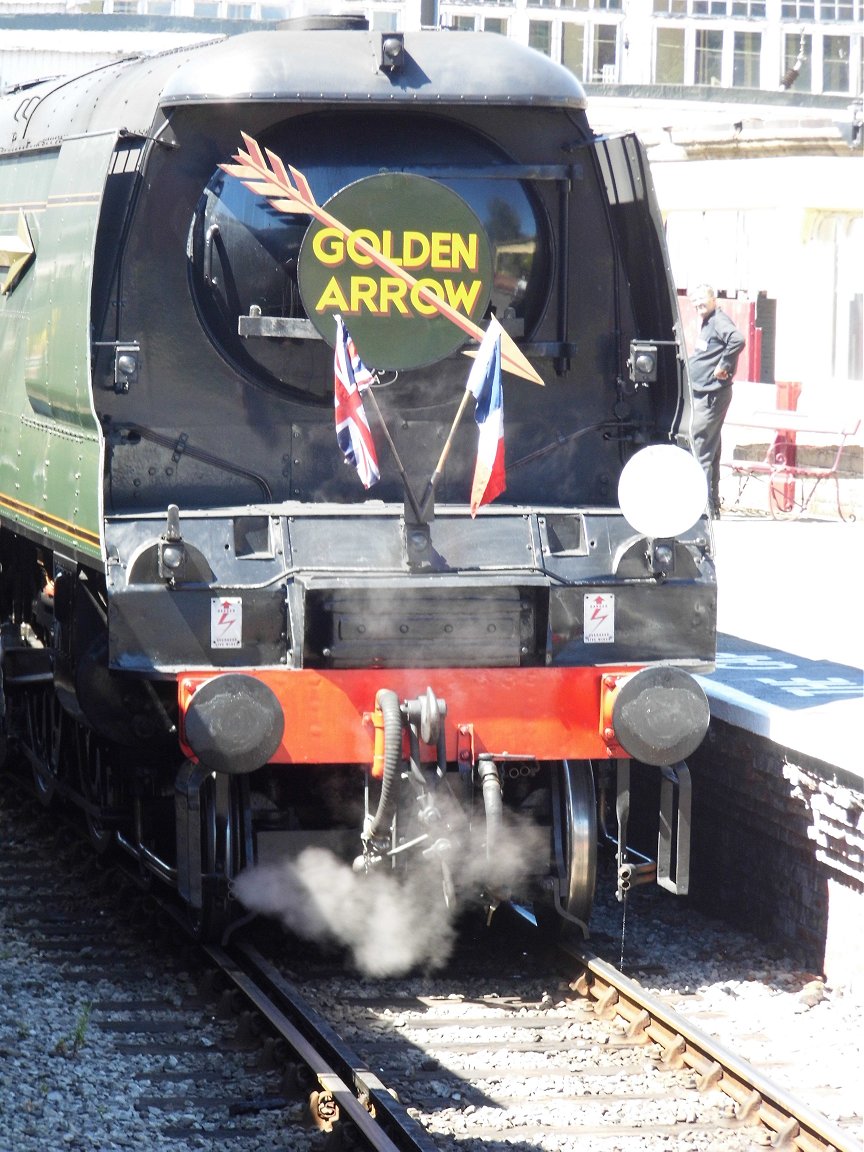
(778, 848)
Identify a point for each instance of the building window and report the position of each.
(669, 56)
(745, 64)
(541, 3)
(797, 10)
(383, 21)
(573, 48)
(583, 4)
(540, 36)
(709, 56)
(835, 64)
(751, 9)
(206, 9)
(798, 52)
(495, 24)
(856, 341)
(239, 12)
(462, 23)
(273, 12)
(837, 10)
(604, 54)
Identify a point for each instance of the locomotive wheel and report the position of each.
(573, 847)
(4, 708)
(44, 738)
(222, 855)
(94, 788)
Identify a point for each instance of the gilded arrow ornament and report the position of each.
(287, 190)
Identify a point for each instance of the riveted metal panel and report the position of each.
(58, 349)
(50, 485)
(343, 65)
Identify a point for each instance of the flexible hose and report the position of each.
(387, 703)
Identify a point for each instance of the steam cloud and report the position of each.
(390, 922)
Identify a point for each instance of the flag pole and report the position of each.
(495, 331)
(445, 452)
(412, 499)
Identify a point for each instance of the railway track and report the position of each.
(757, 1099)
(603, 1065)
(506, 1047)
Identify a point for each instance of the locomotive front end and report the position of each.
(404, 550)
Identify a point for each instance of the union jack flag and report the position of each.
(353, 434)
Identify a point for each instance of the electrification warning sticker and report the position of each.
(226, 622)
(599, 618)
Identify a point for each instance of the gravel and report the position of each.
(63, 1086)
(756, 999)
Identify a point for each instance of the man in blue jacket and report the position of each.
(712, 367)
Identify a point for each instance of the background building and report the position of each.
(751, 111)
(815, 46)
(714, 43)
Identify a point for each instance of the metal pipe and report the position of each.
(611, 841)
(493, 803)
(147, 858)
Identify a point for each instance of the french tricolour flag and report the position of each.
(484, 383)
(353, 434)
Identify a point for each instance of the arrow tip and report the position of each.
(513, 360)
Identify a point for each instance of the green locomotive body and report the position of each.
(50, 467)
(211, 631)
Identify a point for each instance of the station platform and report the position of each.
(778, 782)
(791, 634)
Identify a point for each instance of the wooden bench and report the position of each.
(791, 482)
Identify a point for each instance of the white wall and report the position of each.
(789, 226)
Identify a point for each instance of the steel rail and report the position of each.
(360, 1096)
(796, 1124)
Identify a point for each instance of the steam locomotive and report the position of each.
(221, 638)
